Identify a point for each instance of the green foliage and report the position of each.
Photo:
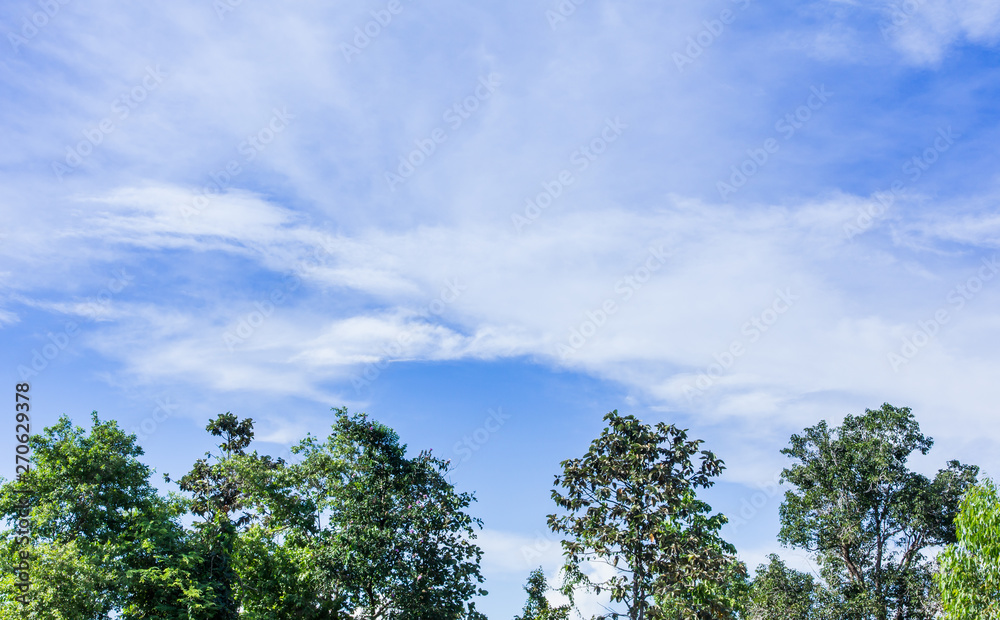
(631, 504)
(218, 492)
(277, 580)
(358, 530)
(230, 491)
(82, 485)
(99, 528)
(782, 593)
(537, 607)
(970, 569)
(66, 584)
(170, 585)
(397, 544)
(719, 598)
(866, 515)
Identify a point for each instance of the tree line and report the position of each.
(355, 529)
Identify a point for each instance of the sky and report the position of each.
(489, 224)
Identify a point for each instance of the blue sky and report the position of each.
(740, 217)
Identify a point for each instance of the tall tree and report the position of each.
(229, 492)
(537, 607)
(970, 569)
(631, 505)
(868, 518)
(99, 529)
(397, 544)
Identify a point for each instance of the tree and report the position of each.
(537, 607)
(398, 544)
(782, 593)
(176, 584)
(67, 583)
(969, 578)
(100, 531)
(233, 492)
(277, 580)
(721, 597)
(866, 515)
(631, 505)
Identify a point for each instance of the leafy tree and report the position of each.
(631, 505)
(231, 492)
(782, 593)
(724, 596)
(173, 585)
(99, 529)
(277, 578)
(970, 569)
(868, 517)
(66, 584)
(537, 607)
(397, 544)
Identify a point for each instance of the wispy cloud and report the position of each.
(924, 30)
(8, 318)
(523, 295)
(246, 194)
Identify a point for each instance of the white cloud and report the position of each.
(8, 318)
(467, 291)
(456, 292)
(923, 30)
(974, 230)
(435, 271)
(508, 552)
(92, 309)
(793, 558)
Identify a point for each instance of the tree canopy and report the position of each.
(782, 593)
(396, 544)
(357, 527)
(537, 606)
(631, 505)
(970, 568)
(100, 531)
(866, 515)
